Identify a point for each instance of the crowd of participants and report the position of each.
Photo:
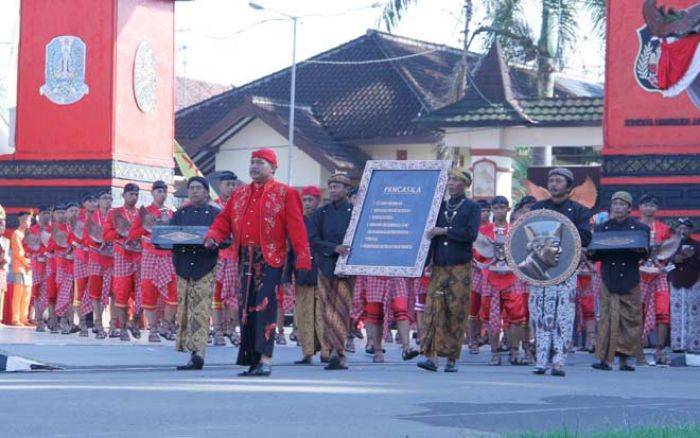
(89, 268)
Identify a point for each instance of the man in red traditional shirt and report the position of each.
(656, 301)
(503, 294)
(125, 282)
(225, 302)
(158, 279)
(475, 301)
(100, 263)
(63, 254)
(38, 236)
(262, 217)
(81, 302)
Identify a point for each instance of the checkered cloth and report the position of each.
(43, 301)
(477, 278)
(65, 284)
(80, 263)
(38, 270)
(488, 289)
(159, 269)
(95, 268)
(584, 291)
(227, 276)
(285, 297)
(370, 289)
(125, 266)
(649, 290)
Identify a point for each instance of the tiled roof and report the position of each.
(497, 95)
(351, 104)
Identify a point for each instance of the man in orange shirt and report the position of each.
(21, 272)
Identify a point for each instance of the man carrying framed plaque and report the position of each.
(447, 303)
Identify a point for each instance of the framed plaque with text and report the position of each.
(397, 203)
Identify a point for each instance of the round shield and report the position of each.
(543, 248)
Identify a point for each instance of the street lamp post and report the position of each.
(292, 88)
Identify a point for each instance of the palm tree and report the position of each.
(545, 49)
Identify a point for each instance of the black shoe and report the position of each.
(451, 367)
(335, 364)
(602, 366)
(626, 367)
(246, 373)
(306, 360)
(262, 370)
(409, 354)
(325, 359)
(196, 363)
(370, 351)
(558, 372)
(427, 365)
(539, 370)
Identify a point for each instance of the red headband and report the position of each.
(267, 155)
(311, 191)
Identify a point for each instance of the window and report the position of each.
(402, 154)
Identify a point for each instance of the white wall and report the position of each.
(234, 155)
(415, 151)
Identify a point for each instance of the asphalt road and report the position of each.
(118, 390)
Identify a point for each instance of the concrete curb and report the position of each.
(10, 364)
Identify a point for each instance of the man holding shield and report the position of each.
(552, 307)
(447, 303)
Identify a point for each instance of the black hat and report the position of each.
(484, 204)
(44, 207)
(225, 175)
(500, 200)
(104, 192)
(72, 204)
(159, 185)
(648, 199)
(199, 179)
(131, 187)
(60, 206)
(87, 196)
(686, 221)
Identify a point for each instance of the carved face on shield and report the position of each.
(543, 248)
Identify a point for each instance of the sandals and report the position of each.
(626, 367)
(350, 345)
(409, 354)
(517, 361)
(219, 340)
(378, 357)
(473, 348)
(293, 336)
(280, 339)
(661, 359)
(495, 360)
(153, 337)
(602, 366)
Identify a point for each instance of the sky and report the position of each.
(228, 42)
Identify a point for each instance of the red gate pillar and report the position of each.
(651, 141)
(94, 102)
